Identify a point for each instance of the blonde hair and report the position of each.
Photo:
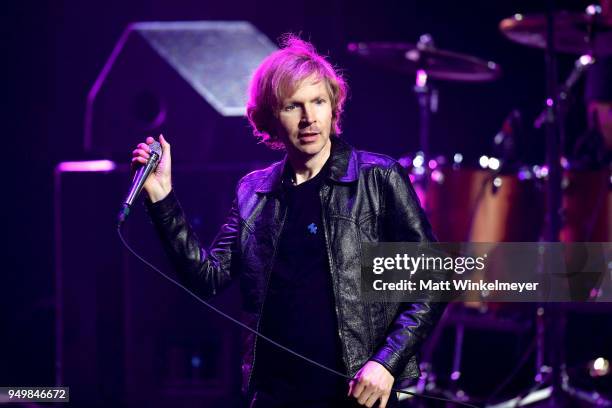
(279, 76)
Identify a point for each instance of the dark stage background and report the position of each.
(54, 50)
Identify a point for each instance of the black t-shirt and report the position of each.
(299, 310)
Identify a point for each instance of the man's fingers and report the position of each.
(140, 153)
(367, 393)
(139, 159)
(372, 400)
(164, 143)
(358, 389)
(383, 401)
(372, 383)
(150, 140)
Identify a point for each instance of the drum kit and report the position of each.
(501, 198)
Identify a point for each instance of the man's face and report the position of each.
(305, 118)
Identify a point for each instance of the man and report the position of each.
(293, 239)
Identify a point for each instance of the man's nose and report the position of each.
(308, 114)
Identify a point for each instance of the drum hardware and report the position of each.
(494, 182)
(427, 97)
(440, 65)
(580, 66)
(506, 142)
(557, 32)
(579, 33)
(427, 63)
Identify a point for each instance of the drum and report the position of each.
(587, 206)
(452, 197)
(510, 208)
(471, 202)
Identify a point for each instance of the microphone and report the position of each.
(139, 179)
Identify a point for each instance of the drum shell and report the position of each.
(587, 206)
(510, 209)
(465, 204)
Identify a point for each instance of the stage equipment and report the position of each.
(585, 33)
(187, 80)
(124, 336)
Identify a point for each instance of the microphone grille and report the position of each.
(156, 148)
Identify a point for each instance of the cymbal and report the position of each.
(438, 64)
(571, 32)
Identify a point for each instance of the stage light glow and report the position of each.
(494, 163)
(421, 78)
(484, 161)
(458, 158)
(595, 293)
(593, 9)
(540, 171)
(499, 138)
(586, 59)
(524, 174)
(196, 361)
(599, 367)
(86, 166)
(497, 182)
(437, 176)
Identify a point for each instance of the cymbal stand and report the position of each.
(427, 97)
(551, 320)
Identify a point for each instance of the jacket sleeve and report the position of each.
(204, 271)
(405, 221)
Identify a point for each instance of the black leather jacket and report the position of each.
(366, 198)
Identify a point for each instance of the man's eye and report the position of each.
(320, 101)
(289, 108)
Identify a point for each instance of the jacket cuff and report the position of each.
(163, 208)
(391, 360)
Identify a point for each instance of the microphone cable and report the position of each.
(262, 336)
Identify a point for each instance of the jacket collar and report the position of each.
(342, 168)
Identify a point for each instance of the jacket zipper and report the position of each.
(268, 275)
(334, 285)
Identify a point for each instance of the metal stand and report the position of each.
(427, 97)
(551, 387)
(427, 381)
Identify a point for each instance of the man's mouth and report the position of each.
(307, 134)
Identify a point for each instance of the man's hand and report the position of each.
(372, 383)
(159, 183)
